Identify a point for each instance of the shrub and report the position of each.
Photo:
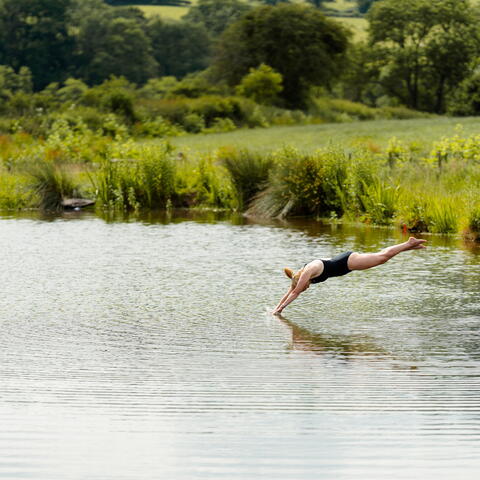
(305, 185)
(415, 215)
(158, 87)
(442, 215)
(379, 201)
(156, 128)
(14, 192)
(335, 110)
(221, 125)
(193, 123)
(115, 95)
(248, 173)
(474, 221)
(401, 113)
(339, 110)
(51, 182)
(202, 184)
(213, 107)
(262, 85)
(141, 177)
(466, 98)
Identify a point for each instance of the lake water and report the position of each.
(142, 348)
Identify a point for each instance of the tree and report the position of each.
(360, 82)
(112, 41)
(179, 47)
(72, 90)
(466, 99)
(262, 84)
(428, 46)
(15, 86)
(216, 15)
(13, 82)
(34, 34)
(297, 41)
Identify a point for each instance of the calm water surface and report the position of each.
(142, 349)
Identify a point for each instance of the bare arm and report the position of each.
(283, 299)
(292, 294)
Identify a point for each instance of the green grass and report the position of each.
(380, 172)
(341, 5)
(374, 134)
(357, 25)
(174, 13)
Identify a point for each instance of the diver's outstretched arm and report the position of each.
(293, 293)
(283, 299)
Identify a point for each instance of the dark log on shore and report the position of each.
(77, 203)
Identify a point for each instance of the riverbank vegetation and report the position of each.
(423, 188)
(271, 108)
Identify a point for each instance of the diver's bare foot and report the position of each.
(415, 243)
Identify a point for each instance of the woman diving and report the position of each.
(319, 270)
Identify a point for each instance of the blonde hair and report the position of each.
(294, 276)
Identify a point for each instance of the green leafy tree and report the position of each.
(72, 90)
(11, 82)
(466, 99)
(360, 82)
(216, 15)
(262, 84)
(114, 95)
(112, 41)
(179, 47)
(428, 47)
(34, 34)
(297, 41)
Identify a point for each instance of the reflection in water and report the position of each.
(137, 346)
(344, 347)
(340, 345)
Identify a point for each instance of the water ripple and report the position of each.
(143, 350)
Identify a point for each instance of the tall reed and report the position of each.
(379, 201)
(51, 182)
(443, 215)
(474, 221)
(202, 183)
(15, 193)
(305, 184)
(145, 178)
(248, 173)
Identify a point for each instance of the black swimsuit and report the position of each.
(335, 267)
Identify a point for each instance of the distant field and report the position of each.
(167, 12)
(357, 25)
(341, 5)
(345, 135)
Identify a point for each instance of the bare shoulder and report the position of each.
(314, 268)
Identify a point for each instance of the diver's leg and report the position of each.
(362, 261)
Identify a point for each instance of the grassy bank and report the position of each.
(374, 135)
(414, 179)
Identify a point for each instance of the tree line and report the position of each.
(420, 53)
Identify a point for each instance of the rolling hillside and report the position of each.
(357, 24)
